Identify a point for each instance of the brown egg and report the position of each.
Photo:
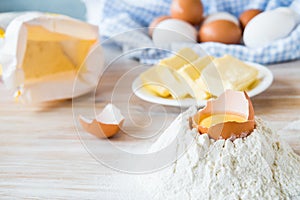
(223, 31)
(190, 11)
(229, 116)
(155, 22)
(247, 15)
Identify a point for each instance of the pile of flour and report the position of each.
(260, 166)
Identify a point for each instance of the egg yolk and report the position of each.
(2, 33)
(220, 118)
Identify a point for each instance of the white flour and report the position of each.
(260, 166)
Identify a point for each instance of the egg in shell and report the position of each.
(106, 124)
(223, 31)
(174, 30)
(247, 15)
(221, 16)
(269, 26)
(155, 22)
(190, 11)
(229, 116)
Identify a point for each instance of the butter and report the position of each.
(220, 118)
(176, 86)
(49, 53)
(152, 82)
(227, 72)
(183, 57)
(191, 72)
(186, 74)
(237, 74)
(164, 81)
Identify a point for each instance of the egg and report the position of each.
(223, 31)
(174, 30)
(221, 16)
(229, 116)
(190, 11)
(269, 26)
(295, 6)
(106, 124)
(247, 15)
(155, 22)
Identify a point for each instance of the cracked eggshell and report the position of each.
(230, 102)
(106, 124)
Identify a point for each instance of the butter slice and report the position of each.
(152, 82)
(161, 79)
(183, 57)
(191, 72)
(225, 73)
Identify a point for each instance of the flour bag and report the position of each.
(44, 54)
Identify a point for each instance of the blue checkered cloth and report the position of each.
(124, 22)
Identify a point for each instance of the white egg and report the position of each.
(173, 31)
(295, 6)
(269, 26)
(221, 16)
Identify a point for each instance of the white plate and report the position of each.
(265, 76)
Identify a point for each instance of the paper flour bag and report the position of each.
(43, 54)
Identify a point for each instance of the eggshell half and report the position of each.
(233, 102)
(106, 124)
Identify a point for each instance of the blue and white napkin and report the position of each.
(124, 22)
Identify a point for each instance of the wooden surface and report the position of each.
(42, 156)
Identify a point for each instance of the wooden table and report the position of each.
(42, 156)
